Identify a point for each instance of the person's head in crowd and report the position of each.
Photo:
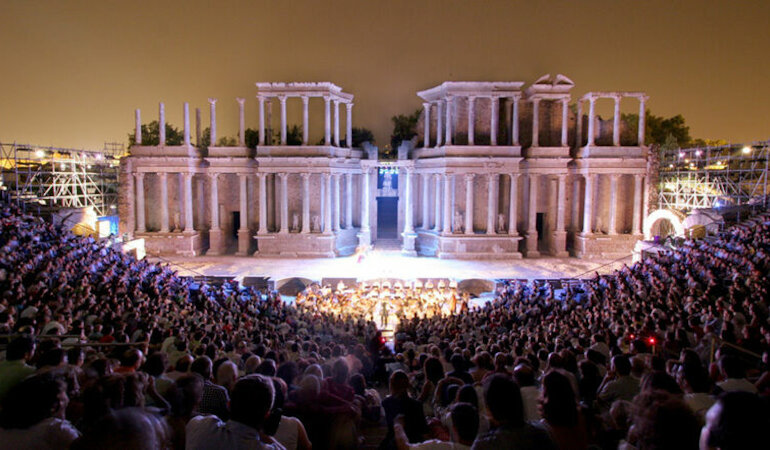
(185, 395)
(358, 383)
(227, 374)
(503, 400)
(125, 429)
(51, 359)
(309, 387)
(20, 348)
(76, 357)
(557, 401)
(251, 364)
(434, 370)
(660, 381)
(251, 400)
(34, 399)
(458, 362)
(287, 371)
(399, 383)
(620, 365)
(465, 422)
(524, 375)
(203, 367)
(132, 359)
(266, 368)
(467, 394)
(156, 364)
(738, 420)
(340, 371)
(663, 421)
(731, 366)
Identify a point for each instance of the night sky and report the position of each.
(74, 71)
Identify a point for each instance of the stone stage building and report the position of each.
(496, 171)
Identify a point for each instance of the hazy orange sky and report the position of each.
(74, 71)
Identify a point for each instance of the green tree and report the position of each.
(404, 128)
(252, 138)
(657, 129)
(361, 135)
(151, 135)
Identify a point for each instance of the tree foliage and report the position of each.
(151, 135)
(404, 128)
(361, 135)
(658, 129)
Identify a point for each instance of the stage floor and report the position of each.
(388, 264)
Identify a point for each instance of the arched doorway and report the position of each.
(387, 202)
(663, 222)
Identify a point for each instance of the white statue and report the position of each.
(295, 222)
(500, 223)
(316, 223)
(458, 222)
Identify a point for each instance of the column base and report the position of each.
(216, 243)
(244, 242)
(408, 248)
(530, 245)
(559, 244)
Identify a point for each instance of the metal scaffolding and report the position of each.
(53, 178)
(714, 177)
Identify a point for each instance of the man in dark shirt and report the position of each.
(459, 371)
(215, 398)
(399, 403)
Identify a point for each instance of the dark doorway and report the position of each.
(236, 223)
(540, 224)
(387, 217)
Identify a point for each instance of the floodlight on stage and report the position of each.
(746, 150)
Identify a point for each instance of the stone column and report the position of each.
(560, 234)
(337, 198)
(269, 132)
(261, 100)
(439, 122)
(469, 203)
(564, 121)
(213, 114)
(188, 203)
(448, 124)
(262, 204)
(216, 243)
(637, 206)
(186, 120)
(241, 123)
(535, 122)
(305, 202)
(244, 237)
(588, 205)
(447, 204)
(327, 121)
(491, 205)
(515, 120)
(197, 127)
(349, 125)
(532, 235)
(408, 214)
(140, 222)
(613, 203)
(437, 203)
(162, 124)
(591, 118)
(616, 123)
(284, 202)
(426, 123)
(163, 202)
(305, 122)
(327, 179)
(513, 204)
(336, 123)
(138, 132)
(642, 118)
(425, 202)
(471, 120)
(365, 202)
(579, 125)
(282, 99)
(494, 104)
(575, 204)
(348, 201)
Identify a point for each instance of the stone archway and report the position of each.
(663, 214)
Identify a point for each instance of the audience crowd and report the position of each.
(100, 350)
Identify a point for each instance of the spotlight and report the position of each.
(746, 150)
(39, 153)
(698, 153)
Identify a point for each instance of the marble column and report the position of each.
(365, 201)
(327, 121)
(637, 206)
(471, 120)
(575, 204)
(261, 100)
(348, 201)
(197, 127)
(588, 205)
(513, 205)
(138, 132)
(140, 222)
(448, 124)
(163, 202)
(439, 122)
(336, 123)
(262, 204)
(213, 115)
(579, 125)
(642, 117)
(532, 235)
(564, 121)
(216, 243)
(515, 120)
(447, 222)
(282, 100)
(162, 124)
(305, 202)
(613, 203)
(408, 214)
(186, 121)
(284, 203)
(188, 203)
(337, 198)
(492, 183)
(535, 122)
(616, 123)
(494, 105)
(244, 237)
(591, 119)
(425, 202)
(327, 179)
(469, 203)
(437, 203)
(241, 122)
(305, 121)
(349, 125)
(560, 233)
(426, 123)
(269, 131)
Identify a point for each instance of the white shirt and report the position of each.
(737, 384)
(208, 432)
(288, 432)
(50, 433)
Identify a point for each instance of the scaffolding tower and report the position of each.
(53, 178)
(714, 177)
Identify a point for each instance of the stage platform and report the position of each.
(389, 263)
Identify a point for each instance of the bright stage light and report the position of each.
(746, 150)
(39, 153)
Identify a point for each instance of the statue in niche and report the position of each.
(177, 225)
(458, 228)
(317, 223)
(387, 184)
(295, 222)
(501, 223)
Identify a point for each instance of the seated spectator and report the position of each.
(618, 384)
(530, 394)
(15, 368)
(662, 421)
(738, 420)
(215, 398)
(127, 429)
(400, 403)
(184, 396)
(734, 375)
(561, 414)
(464, 428)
